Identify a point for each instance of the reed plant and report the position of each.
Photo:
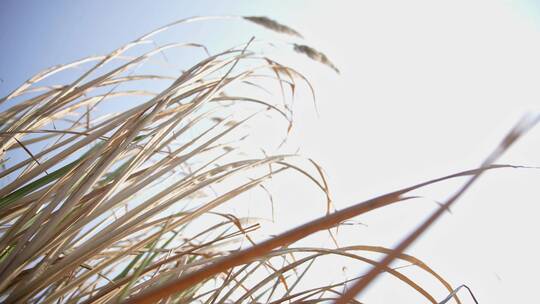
(106, 203)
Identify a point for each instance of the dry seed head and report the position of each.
(272, 25)
(315, 55)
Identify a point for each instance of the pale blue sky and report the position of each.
(39, 34)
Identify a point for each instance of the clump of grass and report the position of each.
(100, 208)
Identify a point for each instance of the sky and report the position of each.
(427, 88)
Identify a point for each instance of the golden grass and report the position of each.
(101, 214)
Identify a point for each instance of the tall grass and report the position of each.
(101, 207)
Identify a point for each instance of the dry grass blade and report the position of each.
(521, 127)
(455, 291)
(29, 153)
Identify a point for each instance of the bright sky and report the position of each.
(430, 87)
(427, 88)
